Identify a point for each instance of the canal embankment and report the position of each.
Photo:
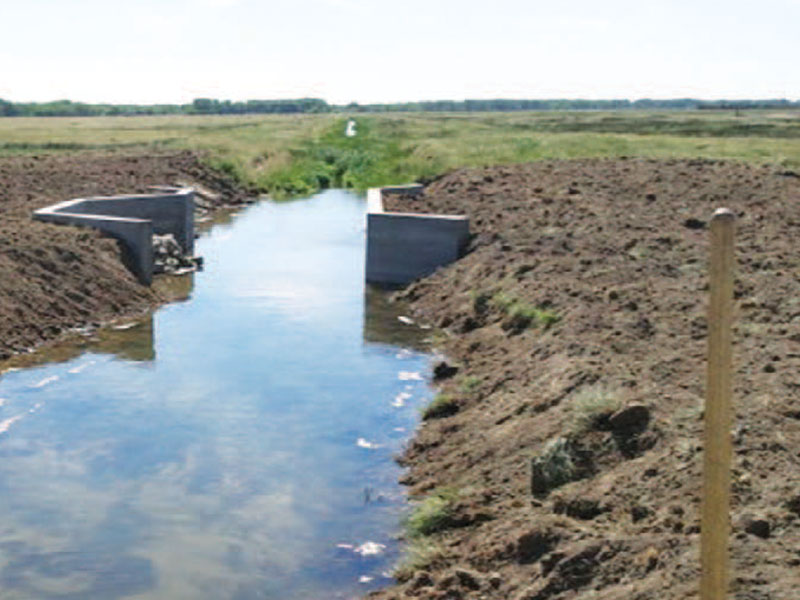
(54, 279)
(563, 458)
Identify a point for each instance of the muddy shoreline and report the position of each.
(54, 280)
(577, 324)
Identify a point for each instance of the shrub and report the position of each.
(440, 406)
(591, 408)
(432, 514)
(553, 467)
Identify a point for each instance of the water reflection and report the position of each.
(385, 322)
(132, 339)
(243, 450)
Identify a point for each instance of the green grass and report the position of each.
(419, 554)
(441, 406)
(470, 384)
(521, 314)
(296, 154)
(431, 515)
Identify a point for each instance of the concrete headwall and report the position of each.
(402, 247)
(133, 220)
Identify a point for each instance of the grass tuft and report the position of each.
(591, 408)
(470, 384)
(522, 315)
(421, 553)
(429, 516)
(432, 514)
(441, 406)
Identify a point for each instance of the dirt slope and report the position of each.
(53, 278)
(617, 251)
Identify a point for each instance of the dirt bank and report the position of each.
(577, 322)
(56, 278)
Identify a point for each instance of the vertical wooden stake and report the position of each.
(715, 527)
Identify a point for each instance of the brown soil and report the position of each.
(618, 250)
(54, 278)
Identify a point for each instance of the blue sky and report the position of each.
(374, 51)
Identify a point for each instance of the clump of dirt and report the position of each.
(54, 278)
(577, 321)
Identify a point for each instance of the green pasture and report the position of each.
(287, 155)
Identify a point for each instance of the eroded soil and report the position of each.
(617, 250)
(55, 278)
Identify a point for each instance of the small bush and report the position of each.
(553, 467)
(429, 516)
(591, 408)
(432, 514)
(440, 406)
(522, 315)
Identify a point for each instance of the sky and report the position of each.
(367, 51)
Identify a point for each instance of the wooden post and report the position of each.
(715, 527)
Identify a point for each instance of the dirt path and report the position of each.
(577, 323)
(53, 278)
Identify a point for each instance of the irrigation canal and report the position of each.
(236, 445)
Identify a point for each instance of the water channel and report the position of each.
(237, 445)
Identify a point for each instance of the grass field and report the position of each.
(297, 154)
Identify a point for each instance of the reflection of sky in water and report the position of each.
(251, 459)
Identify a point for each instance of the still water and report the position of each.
(237, 445)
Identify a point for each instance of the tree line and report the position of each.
(211, 106)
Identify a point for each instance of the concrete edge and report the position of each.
(375, 202)
(135, 232)
(404, 246)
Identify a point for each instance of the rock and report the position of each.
(533, 545)
(630, 420)
(694, 224)
(168, 256)
(757, 527)
(495, 580)
(584, 509)
(576, 569)
(444, 370)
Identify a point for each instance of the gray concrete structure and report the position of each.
(133, 220)
(402, 247)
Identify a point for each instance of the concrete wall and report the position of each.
(402, 247)
(133, 220)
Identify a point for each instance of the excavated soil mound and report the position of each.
(571, 448)
(53, 278)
